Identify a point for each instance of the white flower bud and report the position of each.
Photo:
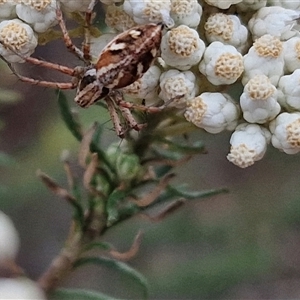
(285, 131)
(247, 5)
(20, 288)
(259, 100)
(186, 12)
(8, 9)
(223, 4)
(248, 144)
(20, 37)
(182, 48)
(149, 11)
(289, 91)
(273, 20)
(226, 29)
(177, 87)
(266, 56)
(284, 3)
(292, 54)
(214, 112)
(221, 64)
(118, 19)
(41, 15)
(9, 240)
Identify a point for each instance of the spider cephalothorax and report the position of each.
(124, 60)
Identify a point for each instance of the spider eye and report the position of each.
(86, 80)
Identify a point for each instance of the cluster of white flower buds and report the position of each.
(237, 45)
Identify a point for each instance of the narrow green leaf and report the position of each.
(172, 193)
(167, 154)
(98, 245)
(162, 170)
(196, 147)
(68, 116)
(191, 195)
(112, 206)
(118, 266)
(78, 294)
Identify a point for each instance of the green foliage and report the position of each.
(117, 266)
(119, 182)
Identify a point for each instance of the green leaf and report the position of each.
(78, 294)
(112, 206)
(98, 245)
(168, 154)
(192, 195)
(196, 147)
(172, 193)
(68, 116)
(118, 266)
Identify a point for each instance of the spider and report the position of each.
(123, 61)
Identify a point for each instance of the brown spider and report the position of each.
(123, 61)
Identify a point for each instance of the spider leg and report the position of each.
(87, 38)
(42, 63)
(68, 42)
(122, 103)
(114, 117)
(130, 119)
(59, 85)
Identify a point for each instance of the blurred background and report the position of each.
(240, 245)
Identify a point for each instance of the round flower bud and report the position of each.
(186, 12)
(182, 48)
(9, 240)
(285, 131)
(226, 29)
(214, 112)
(259, 100)
(273, 20)
(221, 64)
(289, 91)
(247, 5)
(20, 288)
(177, 87)
(118, 19)
(20, 37)
(41, 15)
(292, 54)
(266, 56)
(223, 4)
(149, 11)
(8, 9)
(248, 144)
(284, 3)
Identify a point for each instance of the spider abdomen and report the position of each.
(123, 61)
